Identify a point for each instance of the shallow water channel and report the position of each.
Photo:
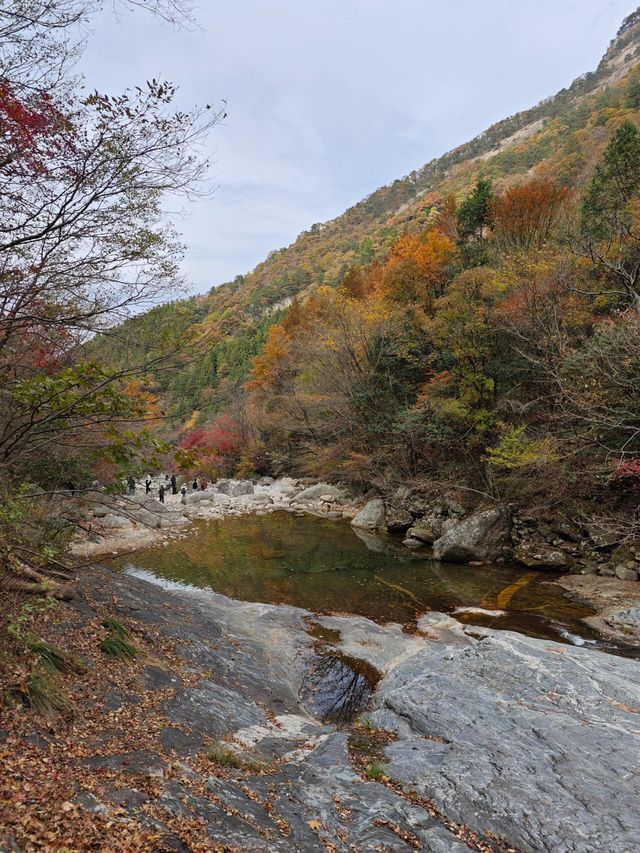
(326, 567)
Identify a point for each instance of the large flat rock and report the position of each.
(536, 742)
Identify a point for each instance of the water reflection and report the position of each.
(336, 687)
(326, 567)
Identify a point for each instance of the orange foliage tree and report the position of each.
(525, 216)
(417, 266)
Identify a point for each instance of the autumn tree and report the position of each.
(84, 240)
(525, 216)
(466, 340)
(417, 267)
(354, 283)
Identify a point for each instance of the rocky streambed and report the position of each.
(465, 737)
(278, 728)
(418, 522)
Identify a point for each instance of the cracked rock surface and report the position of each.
(524, 740)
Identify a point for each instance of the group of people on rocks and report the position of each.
(170, 483)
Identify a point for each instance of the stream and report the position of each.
(327, 567)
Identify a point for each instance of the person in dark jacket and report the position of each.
(174, 485)
(132, 485)
(194, 486)
(147, 485)
(161, 494)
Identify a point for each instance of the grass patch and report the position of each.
(118, 642)
(225, 757)
(43, 695)
(115, 626)
(52, 658)
(375, 772)
(222, 756)
(367, 746)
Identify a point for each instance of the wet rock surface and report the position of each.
(532, 741)
(616, 601)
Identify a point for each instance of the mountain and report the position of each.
(559, 139)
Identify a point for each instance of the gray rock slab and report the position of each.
(317, 491)
(537, 742)
(531, 740)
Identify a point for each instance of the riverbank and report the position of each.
(208, 740)
(115, 525)
(120, 524)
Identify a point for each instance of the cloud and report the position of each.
(328, 101)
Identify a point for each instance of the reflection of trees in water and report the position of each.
(336, 687)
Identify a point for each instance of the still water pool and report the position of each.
(326, 567)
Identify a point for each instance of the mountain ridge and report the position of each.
(557, 138)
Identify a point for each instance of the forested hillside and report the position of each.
(475, 320)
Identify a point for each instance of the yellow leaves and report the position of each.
(516, 450)
(266, 367)
(191, 421)
(146, 403)
(416, 266)
(314, 824)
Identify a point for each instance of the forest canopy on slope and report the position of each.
(475, 322)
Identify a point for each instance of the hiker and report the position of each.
(132, 485)
(147, 484)
(161, 493)
(167, 482)
(174, 485)
(203, 484)
(194, 485)
(183, 492)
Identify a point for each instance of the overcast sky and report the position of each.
(328, 100)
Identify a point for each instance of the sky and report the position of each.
(331, 99)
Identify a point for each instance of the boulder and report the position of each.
(319, 490)
(542, 556)
(398, 519)
(118, 522)
(100, 511)
(257, 499)
(234, 488)
(566, 530)
(482, 536)
(198, 497)
(285, 487)
(426, 533)
(626, 573)
(454, 508)
(371, 516)
(265, 481)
